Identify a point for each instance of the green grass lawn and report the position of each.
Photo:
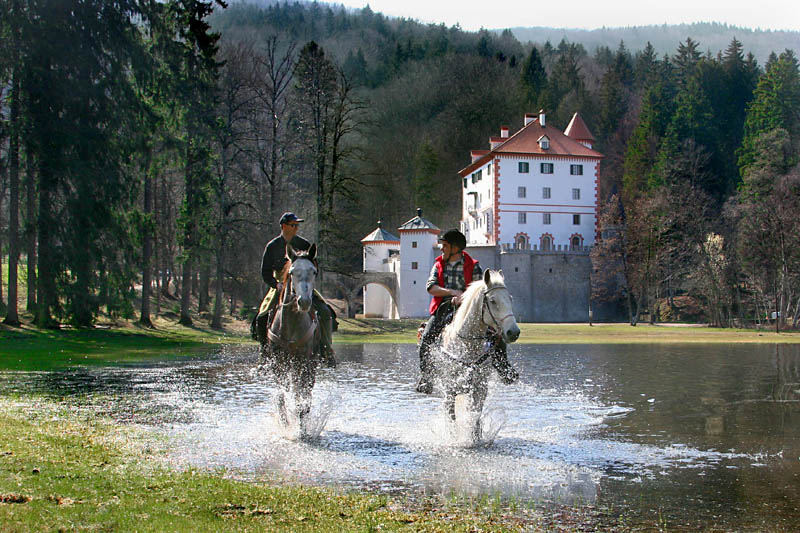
(405, 331)
(66, 469)
(29, 348)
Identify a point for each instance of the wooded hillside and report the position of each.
(155, 146)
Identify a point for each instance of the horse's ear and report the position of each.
(501, 273)
(290, 252)
(312, 252)
(487, 276)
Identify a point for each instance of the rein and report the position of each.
(279, 340)
(497, 324)
(485, 307)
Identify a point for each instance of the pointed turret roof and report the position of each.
(380, 235)
(419, 224)
(525, 142)
(578, 129)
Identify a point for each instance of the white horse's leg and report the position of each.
(480, 389)
(450, 404)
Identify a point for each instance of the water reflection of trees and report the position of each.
(703, 395)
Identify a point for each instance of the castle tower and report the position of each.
(381, 250)
(418, 249)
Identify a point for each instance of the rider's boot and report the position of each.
(500, 362)
(328, 356)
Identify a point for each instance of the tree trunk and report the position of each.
(216, 320)
(147, 248)
(186, 293)
(30, 228)
(167, 268)
(156, 247)
(46, 289)
(205, 283)
(12, 317)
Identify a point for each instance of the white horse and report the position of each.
(466, 348)
(292, 335)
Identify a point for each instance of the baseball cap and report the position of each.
(289, 217)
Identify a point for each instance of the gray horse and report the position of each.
(292, 335)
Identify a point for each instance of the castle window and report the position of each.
(546, 168)
(546, 243)
(520, 192)
(546, 193)
(576, 170)
(466, 181)
(414, 265)
(522, 217)
(576, 194)
(489, 169)
(544, 142)
(576, 220)
(545, 218)
(476, 176)
(524, 168)
(413, 244)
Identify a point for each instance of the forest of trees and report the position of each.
(147, 149)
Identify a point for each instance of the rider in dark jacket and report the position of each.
(272, 264)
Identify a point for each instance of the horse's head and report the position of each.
(303, 271)
(498, 312)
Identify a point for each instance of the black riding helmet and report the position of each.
(455, 238)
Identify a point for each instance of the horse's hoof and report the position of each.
(424, 386)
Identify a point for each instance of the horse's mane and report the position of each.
(472, 297)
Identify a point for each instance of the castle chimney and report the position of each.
(419, 212)
(504, 132)
(541, 117)
(529, 117)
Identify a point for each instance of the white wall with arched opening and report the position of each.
(378, 302)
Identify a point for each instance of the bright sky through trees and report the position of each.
(590, 14)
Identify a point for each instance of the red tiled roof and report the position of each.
(578, 130)
(525, 142)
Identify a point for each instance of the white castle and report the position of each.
(529, 206)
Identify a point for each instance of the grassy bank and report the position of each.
(29, 348)
(373, 330)
(65, 469)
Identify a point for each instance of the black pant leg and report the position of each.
(436, 323)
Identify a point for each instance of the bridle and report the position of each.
(291, 345)
(497, 323)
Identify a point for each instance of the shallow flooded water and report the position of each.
(685, 435)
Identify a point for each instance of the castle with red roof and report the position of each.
(529, 208)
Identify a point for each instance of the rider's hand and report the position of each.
(456, 296)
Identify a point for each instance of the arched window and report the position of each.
(546, 242)
(521, 242)
(576, 241)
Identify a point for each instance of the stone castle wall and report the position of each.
(546, 286)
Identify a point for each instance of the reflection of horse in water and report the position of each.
(466, 348)
(289, 350)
